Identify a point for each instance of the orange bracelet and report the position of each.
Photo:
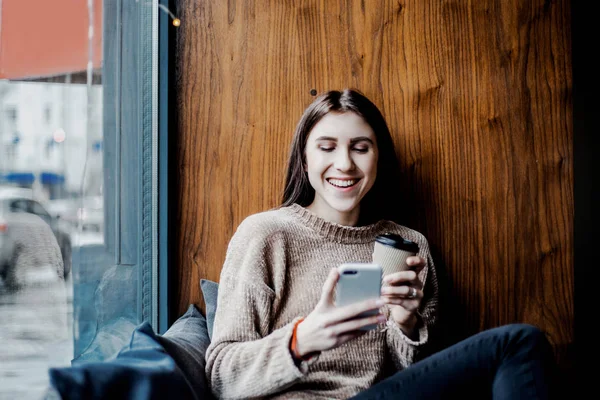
(293, 344)
(295, 339)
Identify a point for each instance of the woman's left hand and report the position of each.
(403, 292)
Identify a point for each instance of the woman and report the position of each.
(277, 332)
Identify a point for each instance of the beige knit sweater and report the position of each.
(276, 264)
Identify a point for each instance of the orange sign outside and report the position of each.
(43, 38)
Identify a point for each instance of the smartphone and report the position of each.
(358, 282)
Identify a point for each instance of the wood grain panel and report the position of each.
(478, 98)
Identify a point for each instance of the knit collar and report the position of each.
(336, 232)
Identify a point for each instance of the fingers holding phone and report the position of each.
(348, 308)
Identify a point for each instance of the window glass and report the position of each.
(74, 216)
(18, 206)
(37, 209)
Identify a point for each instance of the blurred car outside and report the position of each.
(30, 236)
(6, 244)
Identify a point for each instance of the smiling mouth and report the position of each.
(342, 183)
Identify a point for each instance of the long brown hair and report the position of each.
(383, 200)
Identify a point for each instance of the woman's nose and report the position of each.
(343, 161)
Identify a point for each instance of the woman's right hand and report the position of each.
(328, 326)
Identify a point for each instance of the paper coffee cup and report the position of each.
(391, 252)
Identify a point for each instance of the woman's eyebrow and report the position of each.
(361, 139)
(352, 141)
(327, 138)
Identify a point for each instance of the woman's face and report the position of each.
(341, 161)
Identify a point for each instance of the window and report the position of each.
(37, 209)
(79, 129)
(11, 115)
(48, 114)
(8, 123)
(19, 206)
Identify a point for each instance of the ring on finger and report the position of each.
(413, 293)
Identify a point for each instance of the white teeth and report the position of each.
(342, 183)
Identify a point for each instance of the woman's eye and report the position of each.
(361, 149)
(326, 149)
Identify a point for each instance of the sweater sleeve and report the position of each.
(403, 349)
(245, 359)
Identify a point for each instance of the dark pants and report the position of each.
(510, 362)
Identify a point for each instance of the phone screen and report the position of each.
(358, 282)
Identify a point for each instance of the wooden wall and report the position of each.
(478, 98)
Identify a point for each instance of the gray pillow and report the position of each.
(186, 342)
(210, 291)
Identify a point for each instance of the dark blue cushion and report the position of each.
(210, 292)
(149, 367)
